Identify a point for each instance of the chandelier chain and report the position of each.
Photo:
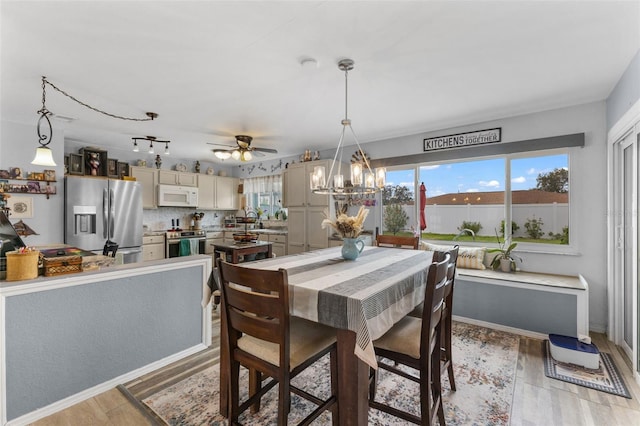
(44, 80)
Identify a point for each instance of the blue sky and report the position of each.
(480, 175)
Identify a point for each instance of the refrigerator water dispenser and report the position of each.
(85, 220)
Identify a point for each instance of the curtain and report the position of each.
(262, 184)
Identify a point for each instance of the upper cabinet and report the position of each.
(217, 192)
(148, 179)
(171, 177)
(297, 185)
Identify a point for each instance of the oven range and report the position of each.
(173, 239)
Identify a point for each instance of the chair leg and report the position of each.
(284, 399)
(373, 382)
(436, 384)
(255, 384)
(447, 322)
(234, 392)
(333, 363)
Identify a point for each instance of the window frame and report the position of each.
(525, 247)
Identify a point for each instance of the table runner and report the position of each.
(366, 296)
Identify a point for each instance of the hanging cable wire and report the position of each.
(150, 115)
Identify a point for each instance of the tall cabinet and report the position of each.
(306, 209)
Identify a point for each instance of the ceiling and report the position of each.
(214, 69)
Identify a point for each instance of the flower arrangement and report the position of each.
(347, 226)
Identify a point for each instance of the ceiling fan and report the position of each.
(243, 151)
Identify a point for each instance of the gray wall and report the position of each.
(63, 341)
(625, 94)
(588, 166)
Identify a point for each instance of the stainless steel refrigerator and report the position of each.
(97, 210)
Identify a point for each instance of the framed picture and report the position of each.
(35, 176)
(123, 169)
(49, 189)
(50, 175)
(112, 168)
(15, 172)
(21, 207)
(76, 164)
(95, 162)
(34, 187)
(4, 174)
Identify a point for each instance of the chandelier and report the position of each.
(363, 179)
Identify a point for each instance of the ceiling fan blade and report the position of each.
(269, 150)
(219, 144)
(257, 153)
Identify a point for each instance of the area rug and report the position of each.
(485, 366)
(605, 378)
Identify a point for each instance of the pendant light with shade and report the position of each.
(363, 179)
(44, 155)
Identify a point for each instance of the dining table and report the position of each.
(361, 299)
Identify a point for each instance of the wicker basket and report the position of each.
(61, 265)
(22, 266)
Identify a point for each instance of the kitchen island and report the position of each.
(234, 252)
(67, 338)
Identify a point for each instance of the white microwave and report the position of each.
(177, 196)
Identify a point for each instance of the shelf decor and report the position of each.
(21, 207)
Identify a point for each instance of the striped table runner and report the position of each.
(366, 296)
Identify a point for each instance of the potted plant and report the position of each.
(504, 259)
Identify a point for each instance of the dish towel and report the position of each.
(185, 247)
(194, 246)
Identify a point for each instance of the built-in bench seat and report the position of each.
(532, 303)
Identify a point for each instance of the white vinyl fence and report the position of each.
(447, 219)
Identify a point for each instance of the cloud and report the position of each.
(472, 190)
(520, 179)
(532, 171)
(489, 184)
(430, 167)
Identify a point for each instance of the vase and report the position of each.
(505, 265)
(351, 248)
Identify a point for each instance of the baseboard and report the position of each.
(500, 327)
(101, 388)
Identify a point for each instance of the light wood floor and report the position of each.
(537, 399)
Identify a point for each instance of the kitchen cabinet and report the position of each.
(207, 192)
(278, 242)
(297, 185)
(148, 179)
(153, 247)
(306, 209)
(217, 192)
(171, 177)
(305, 230)
(213, 238)
(227, 193)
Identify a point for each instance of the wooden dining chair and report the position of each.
(447, 321)
(386, 240)
(265, 339)
(416, 343)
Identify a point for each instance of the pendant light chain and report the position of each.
(44, 80)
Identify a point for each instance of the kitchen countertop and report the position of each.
(218, 229)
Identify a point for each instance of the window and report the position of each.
(398, 203)
(472, 200)
(264, 193)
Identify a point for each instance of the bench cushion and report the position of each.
(468, 257)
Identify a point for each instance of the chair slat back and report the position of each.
(433, 303)
(256, 301)
(384, 240)
(451, 269)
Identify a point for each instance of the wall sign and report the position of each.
(463, 139)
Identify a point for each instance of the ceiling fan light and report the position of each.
(223, 155)
(135, 146)
(151, 151)
(166, 149)
(236, 154)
